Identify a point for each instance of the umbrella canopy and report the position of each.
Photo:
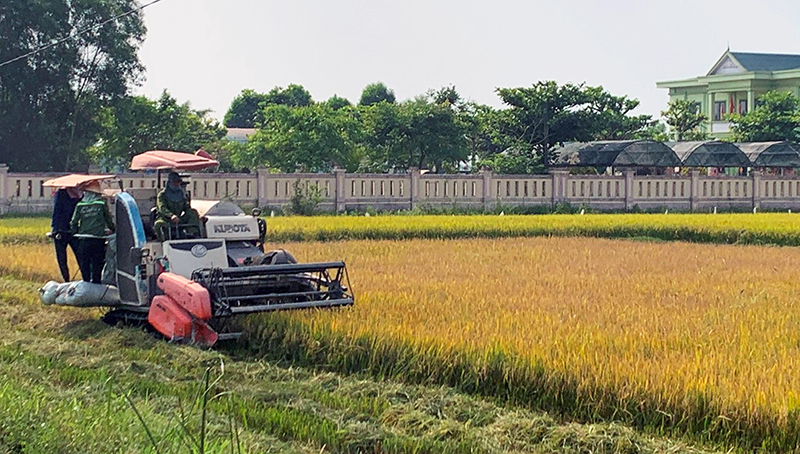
(74, 180)
(161, 160)
(617, 153)
(710, 154)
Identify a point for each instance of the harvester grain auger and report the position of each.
(188, 288)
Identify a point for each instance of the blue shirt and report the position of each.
(63, 207)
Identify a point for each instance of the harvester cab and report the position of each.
(187, 287)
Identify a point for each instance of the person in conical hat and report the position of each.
(91, 223)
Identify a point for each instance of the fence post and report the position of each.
(340, 193)
(488, 197)
(629, 189)
(756, 174)
(694, 189)
(3, 189)
(559, 192)
(413, 191)
(261, 186)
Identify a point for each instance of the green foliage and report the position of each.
(420, 133)
(293, 96)
(513, 161)
(685, 120)
(49, 101)
(305, 199)
(313, 138)
(437, 131)
(655, 130)
(375, 93)
(435, 137)
(546, 114)
(243, 111)
(247, 108)
(337, 102)
(445, 96)
(775, 118)
(136, 124)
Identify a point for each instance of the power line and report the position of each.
(77, 33)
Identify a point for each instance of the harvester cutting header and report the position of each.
(185, 267)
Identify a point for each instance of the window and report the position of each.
(719, 110)
(742, 106)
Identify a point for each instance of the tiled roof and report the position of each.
(767, 62)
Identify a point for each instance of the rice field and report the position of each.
(740, 228)
(696, 338)
(62, 376)
(677, 337)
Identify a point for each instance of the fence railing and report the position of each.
(341, 191)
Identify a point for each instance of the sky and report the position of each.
(205, 52)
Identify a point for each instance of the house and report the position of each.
(734, 84)
(239, 134)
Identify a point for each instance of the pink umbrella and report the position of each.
(74, 180)
(161, 160)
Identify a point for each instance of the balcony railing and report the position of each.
(720, 126)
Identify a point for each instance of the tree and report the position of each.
(244, 109)
(436, 139)
(546, 114)
(776, 117)
(137, 124)
(337, 102)
(685, 120)
(247, 108)
(385, 137)
(418, 133)
(375, 93)
(446, 95)
(312, 138)
(49, 101)
(657, 131)
(293, 96)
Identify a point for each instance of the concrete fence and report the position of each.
(340, 191)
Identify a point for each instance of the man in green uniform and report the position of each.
(90, 224)
(174, 210)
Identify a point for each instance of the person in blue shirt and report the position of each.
(63, 207)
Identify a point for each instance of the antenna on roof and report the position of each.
(729, 46)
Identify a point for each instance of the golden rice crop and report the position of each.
(761, 228)
(773, 228)
(704, 335)
(33, 262)
(24, 230)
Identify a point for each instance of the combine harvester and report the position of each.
(187, 288)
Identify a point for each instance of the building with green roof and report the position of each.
(734, 84)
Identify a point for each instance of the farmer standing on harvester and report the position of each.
(90, 224)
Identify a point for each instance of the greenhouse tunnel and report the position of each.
(709, 154)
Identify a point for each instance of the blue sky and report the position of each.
(207, 51)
